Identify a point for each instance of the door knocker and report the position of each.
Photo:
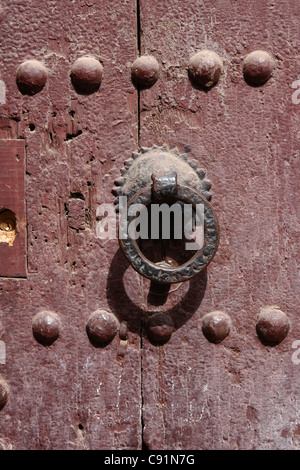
(166, 179)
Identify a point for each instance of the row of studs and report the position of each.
(272, 327)
(205, 69)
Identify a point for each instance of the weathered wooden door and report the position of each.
(93, 355)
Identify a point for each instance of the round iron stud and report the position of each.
(145, 71)
(216, 326)
(205, 68)
(31, 77)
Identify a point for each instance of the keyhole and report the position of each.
(8, 227)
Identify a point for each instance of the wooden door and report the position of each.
(78, 366)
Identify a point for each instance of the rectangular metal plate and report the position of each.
(12, 198)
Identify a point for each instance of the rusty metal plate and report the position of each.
(12, 209)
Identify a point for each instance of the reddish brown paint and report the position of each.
(239, 394)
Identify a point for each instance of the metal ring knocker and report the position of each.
(164, 189)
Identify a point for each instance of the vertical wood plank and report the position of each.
(238, 394)
(71, 394)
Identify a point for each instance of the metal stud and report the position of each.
(145, 71)
(31, 77)
(205, 68)
(272, 326)
(102, 327)
(46, 327)
(258, 67)
(86, 75)
(216, 326)
(160, 327)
